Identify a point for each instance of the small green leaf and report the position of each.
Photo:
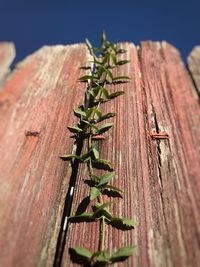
(105, 128)
(94, 92)
(104, 164)
(81, 217)
(100, 71)
(113, 188)
(115, 94)
(85, 78)
(103, 38)
(95, 152)
(102, 258)
(94, 193)
(89, 112)
(122, 253)
(104, 92)
(123, 223)
(89, 46)
(74, 129)
(104, 179)
(114, 60)
(83, 252)
(109, 73)
(98, 112)
(106, 116)
(121, 78)
(78, 112)
(69, 157)
(101, 210)
(91, 125)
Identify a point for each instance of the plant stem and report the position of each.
(102, 222)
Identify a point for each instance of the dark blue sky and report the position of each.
(33, 23)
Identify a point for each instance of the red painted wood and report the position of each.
(37, 97)
(154, 145)
(160, 177)
(193, 64)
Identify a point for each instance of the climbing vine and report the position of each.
(91, 127)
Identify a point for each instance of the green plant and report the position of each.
(90, 128)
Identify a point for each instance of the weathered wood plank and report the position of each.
(35, 107)
(194, 67)
(160, 177)
(7, 54)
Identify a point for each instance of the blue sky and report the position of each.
(31, 24)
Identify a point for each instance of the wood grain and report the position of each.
(37, 98)
(160, 177)
(193, 64)
(7, 54)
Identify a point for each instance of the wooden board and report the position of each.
(160, 177)
(7, 54)
(37, 99)
(194, 67)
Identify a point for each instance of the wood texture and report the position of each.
(7, 54)
(37, 98)
(160, 177)
(194, 67)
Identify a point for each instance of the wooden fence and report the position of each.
(160, 176)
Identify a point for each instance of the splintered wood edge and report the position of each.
(7, 55)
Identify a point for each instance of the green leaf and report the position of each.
(95, 152)
(100, 206)
(74, 129)
(105, 128)
(105, 164)
(98, 112)
(69, 157)
(89, 46)
(115, 94)
(114, 59)
(106, 59)
(89, 112)
(94, 193)
(106, 116)
(95, 178)
(104, 179)
(81, 217)
(103, 38)
(94, 92)
(100, 71)
(122, 253)
(113, 188)
(109, 73)
(83, 252)
(101, 210)
(104, 92)
(85, 78)
(123, 223)
(91, 125)
(102, 258)
(121, 78)
(78, 112)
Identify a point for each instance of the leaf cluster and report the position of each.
(101, 258)
(92, 124)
